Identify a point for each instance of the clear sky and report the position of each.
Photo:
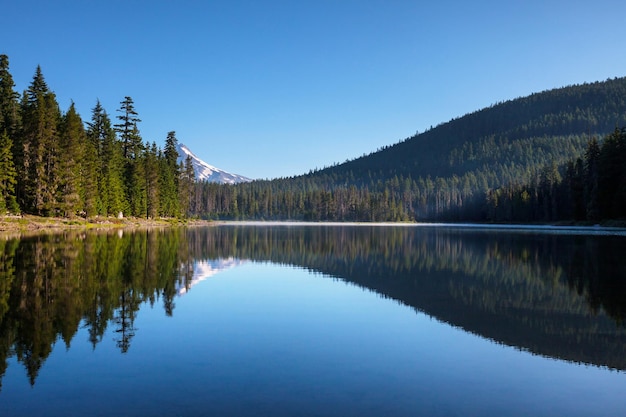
(276, 88)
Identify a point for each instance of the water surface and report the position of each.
(313, 320)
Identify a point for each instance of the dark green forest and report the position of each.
(54, 164)
(554, 156)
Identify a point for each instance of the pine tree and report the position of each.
(127, 129)
(549, 183)
(72, 147)
(170, 151)
(38, 169)
(575, 207)
(590, 188)
(111, 197)
(9, 128)
(113, 191)
(611, 178)
(170, 172)
(152, 181)
(134, 177)
(8, 176)
(9, 101)
(186, 187)
(89, 174)
(133, 154)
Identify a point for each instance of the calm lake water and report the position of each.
(300, 320)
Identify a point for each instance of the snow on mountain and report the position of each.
(206, 172)
(207, 269)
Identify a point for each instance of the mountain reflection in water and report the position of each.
(557, 295)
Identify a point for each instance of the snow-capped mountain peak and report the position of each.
(206, 172)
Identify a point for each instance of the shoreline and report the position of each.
(31, 224)
(34, 224)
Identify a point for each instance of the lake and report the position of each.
(314, 320)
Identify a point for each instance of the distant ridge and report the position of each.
(206, 172)
(521, 160)
(499, 144)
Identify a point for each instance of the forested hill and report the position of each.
(540, 158)
(505, 141)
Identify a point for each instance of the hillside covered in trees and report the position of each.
(524, 160)
(558, 155)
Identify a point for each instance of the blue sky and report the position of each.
(275, 88)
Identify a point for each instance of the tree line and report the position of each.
(590, 188)
(52, 285)
(533, 159)
(505, 163)
(53, 164)
(584, 181)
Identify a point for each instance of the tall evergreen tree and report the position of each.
(96, 127)
(574, 183)
(591, 184)
(111, 195)
(186, 187)
(9, 100)
(169, 177)
(38, 169)
(611, 175)
(134, 176)
(549, 183)
(127, 129)
(10, 118)
(133, 154)
(90, 176)
(72, 147)
(113, 177)
(152, 181)
(170, 151)
(8, 175)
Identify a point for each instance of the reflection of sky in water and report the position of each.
(264, 339)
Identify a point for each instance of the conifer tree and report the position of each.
(38, 176)
(89, 174)
(170, 151)
(9, 101)
(133, 154)
(127, 129)
(152, 181)
(111, 196)
(96, 128)
(8, 176)
(611, 175)
(186, 187)
(591, 184)
(9, 127)
(134, 177)
(72, 147)
(169, 177)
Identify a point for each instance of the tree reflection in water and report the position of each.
(553, 294)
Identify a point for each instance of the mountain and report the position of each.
(523, 160)
(206, 172)
(500, 143)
